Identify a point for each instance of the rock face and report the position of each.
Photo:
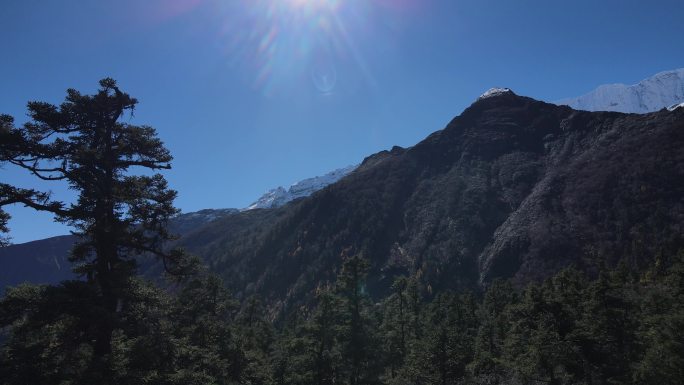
(513, 188)
(660, 91)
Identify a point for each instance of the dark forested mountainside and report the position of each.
(46, 261)
(43, 261)
(622, 327)
(511, 188)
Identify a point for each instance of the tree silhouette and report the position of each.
(118, 215)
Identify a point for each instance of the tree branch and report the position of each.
(30, 198)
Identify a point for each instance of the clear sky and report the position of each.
(252, 94)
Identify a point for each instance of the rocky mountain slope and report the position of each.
(512, 188)
(662, 90)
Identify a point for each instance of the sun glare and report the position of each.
(283, 44)
(287, 42)
(328, 4)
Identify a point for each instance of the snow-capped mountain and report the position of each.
(271, 199)
(279, 196)
(675, 106)
(494, 92)
(662, 90)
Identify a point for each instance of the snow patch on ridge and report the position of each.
(279, 195)
(494, 92)
(674, 107)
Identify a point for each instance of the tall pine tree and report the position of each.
(359, 345)
(118, 215)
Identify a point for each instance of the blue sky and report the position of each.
(252, 94)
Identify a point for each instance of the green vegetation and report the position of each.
(621, 327)
(119, 214)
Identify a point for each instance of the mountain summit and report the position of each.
(495, 91)
(663, 90)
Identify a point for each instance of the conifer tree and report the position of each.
(291, 357)
(606, 330)
(308, 352)
(118, 215)
(325, 329)
(5, 130)
(492, 329)
(10, 143)
(359, 347)
(533, 345)
(395, 326)
(255, 336)
(661, 331)
(202, 316)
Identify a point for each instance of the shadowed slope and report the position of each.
(512, 187)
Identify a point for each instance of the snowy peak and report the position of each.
(675, 106)
(495, 92)
(272, 198)
(662, 90)
(279, 196)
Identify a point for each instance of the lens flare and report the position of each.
(286, 42)
(330, 4)
(323, 73)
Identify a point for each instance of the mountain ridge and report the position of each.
(279, 196)
(511, 188)
(662, 90)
